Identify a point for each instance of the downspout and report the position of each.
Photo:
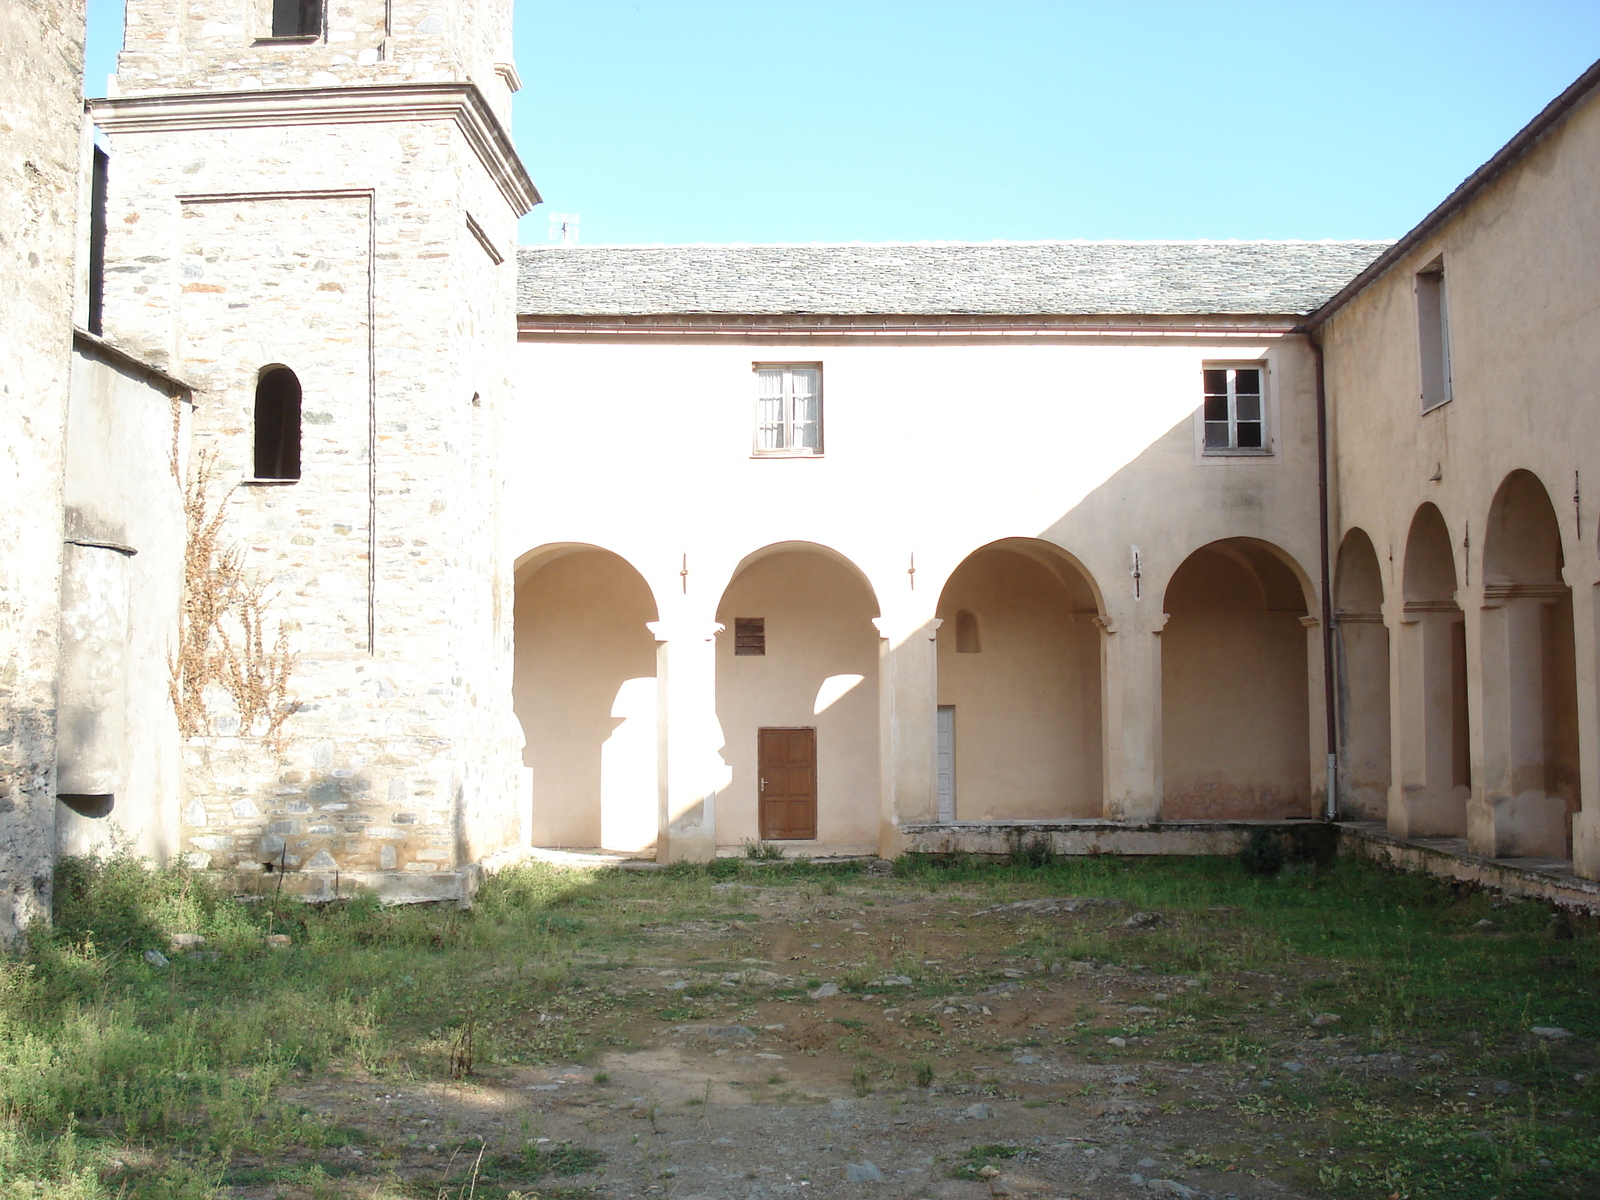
(1324, 513)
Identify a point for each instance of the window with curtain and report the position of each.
(788, 409)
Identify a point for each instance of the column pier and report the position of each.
(1511, 814)
(908, 698)
(690, 767)
(1132, 664)
(1427, 795)
(1586, 821)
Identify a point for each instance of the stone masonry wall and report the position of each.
(186, 45)
(343, 252)
(41, 66)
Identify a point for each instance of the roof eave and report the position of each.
(1526, 138)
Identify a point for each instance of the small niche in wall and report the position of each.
(967, 641)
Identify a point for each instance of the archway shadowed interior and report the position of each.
(585, 692)
(1433, 758)
(1019, 670)
(1234, 702)
(1530, 705)
(1362, 647)
(799, 721)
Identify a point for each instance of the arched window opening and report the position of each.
(277, 424)
(967, 633)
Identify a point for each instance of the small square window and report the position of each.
(296, 18)
(1234, 413)
(750, 635)
(788, 409)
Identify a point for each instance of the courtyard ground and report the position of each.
(1095, 1027)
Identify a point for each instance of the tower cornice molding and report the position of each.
(460, 103)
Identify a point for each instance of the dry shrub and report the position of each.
(222, 638)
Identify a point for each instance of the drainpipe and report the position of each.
(1329, 689)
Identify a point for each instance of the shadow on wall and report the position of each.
(1362, 673)
(799, 653)
(585, 693)
(1020, 682)
(1433, 761)
(1530, 713)
(1235, 652)
(1234, 702)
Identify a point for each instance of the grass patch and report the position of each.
(123, 1077)
(977, 1158)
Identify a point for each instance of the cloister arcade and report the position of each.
(797, 712)
(1234, 686)
(1019, 686)
(1458, 697)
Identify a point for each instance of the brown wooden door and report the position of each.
(787, 762)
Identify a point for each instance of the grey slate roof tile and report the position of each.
(1066, 278)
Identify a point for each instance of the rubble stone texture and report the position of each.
(41, 65)
(357, 230)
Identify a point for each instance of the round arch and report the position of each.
(1429, 570)
(797, 700)
(1522, 544)
(1235, 697)
(1530, 687)
(539, 557)
(802, 547)
(1433, 757)
(584, 690)
(1020, 685)
(1361, 665)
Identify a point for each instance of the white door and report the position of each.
(947, 762)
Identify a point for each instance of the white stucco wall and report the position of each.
(820, 671)
(585, 696)
(1521, 294)
(934, 447)
(1027, 703)
(124, 429)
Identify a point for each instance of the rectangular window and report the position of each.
(750, 635)
(1235, 409)
(1433, 335)
(788, 409)
(296, 18)
(98, 184)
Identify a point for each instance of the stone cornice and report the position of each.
(95, 346)
(1349, 617)
(1501, 591)
(1431, 606)
(460, 103)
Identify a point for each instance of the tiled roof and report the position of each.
(1068, 278)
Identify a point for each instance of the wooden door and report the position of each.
(786, 760)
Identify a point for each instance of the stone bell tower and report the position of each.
(311, 217)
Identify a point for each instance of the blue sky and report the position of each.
(894, 120)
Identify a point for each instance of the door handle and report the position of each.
(763, 785)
